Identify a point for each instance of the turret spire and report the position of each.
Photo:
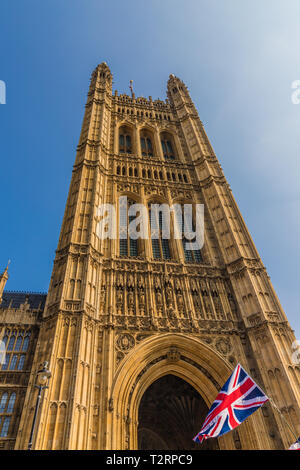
(3, 279)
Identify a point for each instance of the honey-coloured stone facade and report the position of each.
(140, 333)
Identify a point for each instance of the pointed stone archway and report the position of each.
(170, 414)
(176, 354)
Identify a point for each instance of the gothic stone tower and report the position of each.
(141, 334)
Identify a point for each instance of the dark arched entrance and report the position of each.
(171, 413)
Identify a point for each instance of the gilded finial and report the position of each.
(6, 269)
(3, 279)
(131, 87)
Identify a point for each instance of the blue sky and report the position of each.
(238, 59)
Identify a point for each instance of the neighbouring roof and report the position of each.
(12, 299)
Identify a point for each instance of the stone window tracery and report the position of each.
(168, 147)
(125, 140)
(128, 246)
(16, 345)
(7, 403)
(146, 139)
(160, 245)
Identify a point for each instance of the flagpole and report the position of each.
(283, 418)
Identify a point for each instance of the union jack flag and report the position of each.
(296, 445)
(238, 399)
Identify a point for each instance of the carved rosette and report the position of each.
(173, 355)
(223, 346)
(125, 342)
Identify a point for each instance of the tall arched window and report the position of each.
(191, 255)
(11, 403)
(17, 343)
(160, 244)
(5, 426)
(13, 362)
(11, 343)
(167, 146)
(6, 410)
(125, 140)
(3, 402)
(26, 342)
(128, 246)
(21, 362)
(6, 363)
(147, 144)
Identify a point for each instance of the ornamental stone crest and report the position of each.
(125, 342)
(173, 354)
(223, 346)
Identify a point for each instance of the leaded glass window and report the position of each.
(21, 362)
(191, 255)
(11, 343)
(3, 402)
(128, 246)
(11, 403)
(167, 146)
(25, 343)
(17, 343)
(160, 245)
(5, 426)
(13, 362)
(125, 140)
(146, 146)
(7, 403)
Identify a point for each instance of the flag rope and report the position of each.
(278, 411)
(283, 418)
(273, 404)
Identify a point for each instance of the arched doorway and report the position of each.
(170, 414)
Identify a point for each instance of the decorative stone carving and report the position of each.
(173, 354)
(119, 297)
(207, 340)
(180, 302)
(141, 337)
(125, 342)
(120, 280)
(130, 301)
(141, 300)
(223, 346)
(130, 281)
(102, 296)
(119, 357)
(193, 285)
(169, 297)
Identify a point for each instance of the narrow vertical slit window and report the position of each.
(128, 246)
(125, 140)
(191, 255)
(160, 245)
(167, 147)
(146, 144)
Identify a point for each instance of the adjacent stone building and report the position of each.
(141, 334)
